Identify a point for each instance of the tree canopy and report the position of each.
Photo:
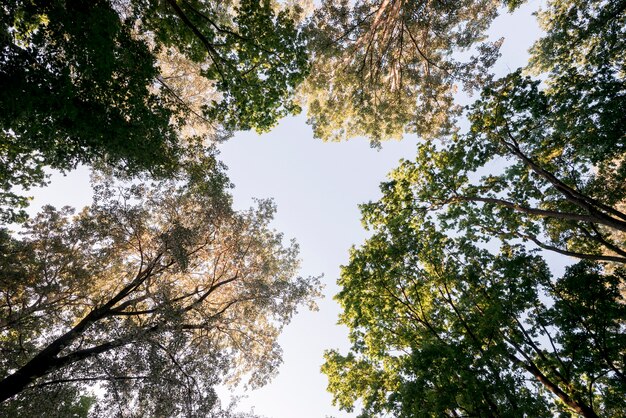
(450, 313)
(384, 68)
(146, 301)
(559, 152)
(92, 82)
(441, 327)
(152, 295)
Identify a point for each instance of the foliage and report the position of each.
(82, 81)
(449, 314)
(153, 295)
(440, 327)
(584, 54)
(543, 165)
(382, 68)
(256, 55)
(58, 401)
(75, 88)
(543, 189)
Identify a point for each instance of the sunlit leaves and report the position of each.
(116, 84)
(384, 68)
(254, 55)
(450, 313)
(157, 294)
(441, 327)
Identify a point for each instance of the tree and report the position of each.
(560, 153)
(545, 188)
(153, 295)
(83, 81)
(440, 327)
(254, 55)
(583, 52)
(450, 315)
(384, 68)
(544, 165)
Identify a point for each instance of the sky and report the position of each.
(317, 188)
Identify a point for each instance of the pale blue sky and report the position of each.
(317, 187)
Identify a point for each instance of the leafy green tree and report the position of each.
(544, 165)
(539, 187)
(583, 54)
(441, 327)
(255, 55)
(82, 82)
(154, 295)
(449, 314)
(382, 68)
(54, 401)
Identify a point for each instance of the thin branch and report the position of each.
(87, 379)
(531, 211)
(571, 194)
(203, 39)
(582, 256)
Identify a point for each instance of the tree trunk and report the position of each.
(40, 365)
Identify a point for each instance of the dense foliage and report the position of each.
(450, 315)
(99, 82)
(153, 295)
(441, 327)
(146, 301)
(384, 68)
